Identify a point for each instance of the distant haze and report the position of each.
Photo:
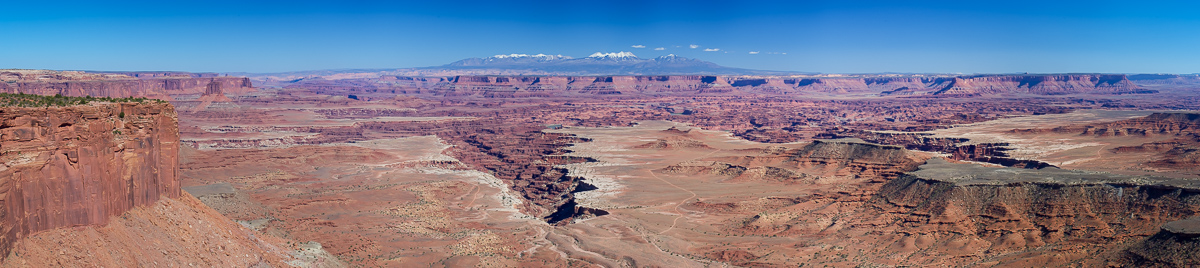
(819, 36)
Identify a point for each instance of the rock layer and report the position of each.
(149, 85)
(80, 165)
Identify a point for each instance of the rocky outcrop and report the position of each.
(1173, 246)
(739, 173)
(861, 159)
(213, 93)
(80, 165)
(958, 148)
(673, 142)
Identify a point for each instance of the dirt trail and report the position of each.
(676, 220)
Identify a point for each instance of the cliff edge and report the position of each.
(79, 165)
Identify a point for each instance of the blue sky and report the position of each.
(817, 36)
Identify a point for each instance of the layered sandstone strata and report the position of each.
(79, 165)
(114, 85)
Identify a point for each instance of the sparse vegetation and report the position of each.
(33, 100)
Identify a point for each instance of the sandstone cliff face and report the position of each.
(80, 165)
(158, 87)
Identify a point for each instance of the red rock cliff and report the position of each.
(116, 85)
(80, 165)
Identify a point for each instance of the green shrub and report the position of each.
(33, 100)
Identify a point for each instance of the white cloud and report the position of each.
(712, 49)
(694, 46)
(753, 52)
(637, 46)
(660, 48)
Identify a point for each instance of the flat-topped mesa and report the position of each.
(79, 165)
(509, 86)
(1174, 246)
(116, 85)
(1157, 123)
(862, 159)
(827, 159)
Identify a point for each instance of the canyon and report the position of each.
(631, 170)
(546, 86)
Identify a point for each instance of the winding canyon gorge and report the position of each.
(405, 169)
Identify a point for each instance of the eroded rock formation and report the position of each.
(1175, 245)
(1054, 215)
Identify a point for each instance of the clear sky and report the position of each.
(819, 36)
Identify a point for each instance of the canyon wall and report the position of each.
(158, 88)
(545, 86)
(80, 165)
(1052, 223)
(158, 85)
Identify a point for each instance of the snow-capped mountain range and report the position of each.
(599, 63)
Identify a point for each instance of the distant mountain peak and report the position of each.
(621, 54)
(672, 58)
(538, 56)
